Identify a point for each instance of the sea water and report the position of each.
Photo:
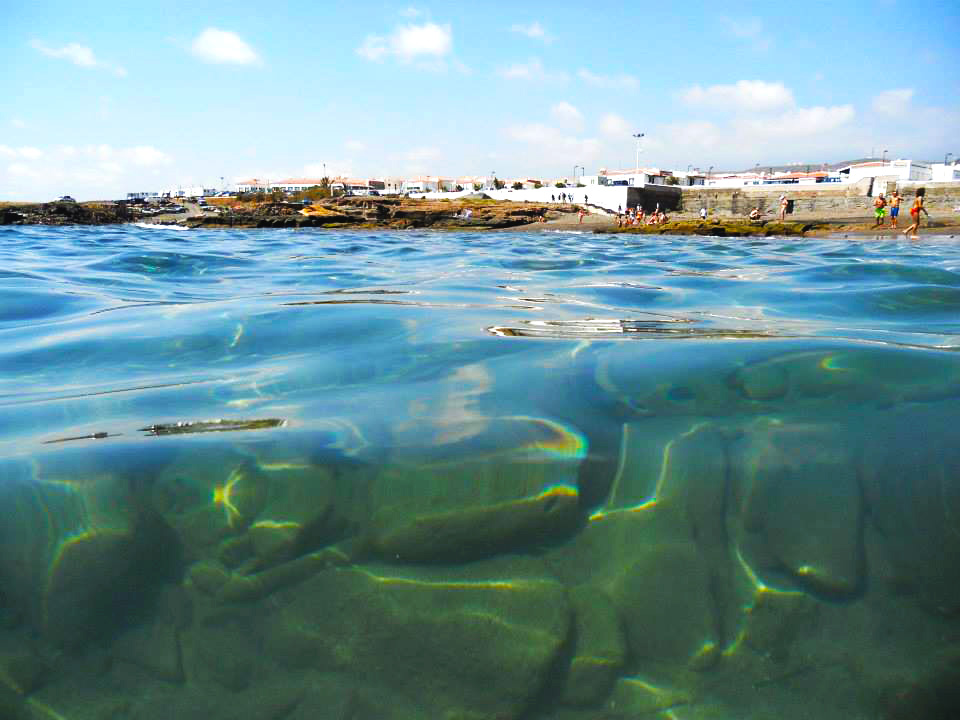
(299, 474)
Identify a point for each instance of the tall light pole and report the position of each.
(638, 136)
(946, 157)
(883, 158)
(575, 175)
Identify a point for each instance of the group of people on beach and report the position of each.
(639, 217)
(565, 198)
(880, 210)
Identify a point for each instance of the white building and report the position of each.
(296, 184)
(253, 185)
(642, 176)
(942, 172)
(894, 170)
(420, 184)
(391, 185)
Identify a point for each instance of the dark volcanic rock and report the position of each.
(65, 213)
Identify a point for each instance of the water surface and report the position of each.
(728, 468)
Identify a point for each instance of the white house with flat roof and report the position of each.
(900, 170)
(296, 184)
(942, 172)
(253, 185)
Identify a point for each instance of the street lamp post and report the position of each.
(638, 136)
(947, 157)
(883, 158)
(575, 174)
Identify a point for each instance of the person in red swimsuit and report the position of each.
(915, 213)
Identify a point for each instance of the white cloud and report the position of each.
(615, 126)
(95, 171)
(610, 82)
(18, 123)
(354, 146)
(27, 153)
(411, 12)
(748, 95)
(373, 48)
(566, 114)
(798, 122)
(223, 46)
(421, 159)
(747, 30)
(409, 42)
(430, 39)
(893, 102)
(146, 156)
(533, 69)
(335, 168)
(550, 142)
(533, 30)
(79, 55)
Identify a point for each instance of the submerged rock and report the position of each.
(79, 552)
(508, 487)
(800, 505)
(911, 479)
(599, 650)
(474, 641)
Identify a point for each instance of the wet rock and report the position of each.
(634, 697)
(154, 648)
(644, 560)
(663, 597)
(664, 561)
(439, 636)
(339, 696)
(911, 479)
(775, 620)
(208, 577)
(599, 650)
(209, 497)
(224, 654)
(26, 673)
(273, 541)
(13, 705)
(77, 551)
(800, 505)
(510, 485)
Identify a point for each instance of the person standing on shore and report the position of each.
(894, 208)
(915, 211)
(784, 203)
(880, 209)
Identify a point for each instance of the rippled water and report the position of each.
(657, 476)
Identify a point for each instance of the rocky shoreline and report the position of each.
(66, 213)
(396, 213)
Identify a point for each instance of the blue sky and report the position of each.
(103, 98)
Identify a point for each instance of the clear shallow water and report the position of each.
(674, 443)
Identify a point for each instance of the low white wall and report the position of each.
(607, 197)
